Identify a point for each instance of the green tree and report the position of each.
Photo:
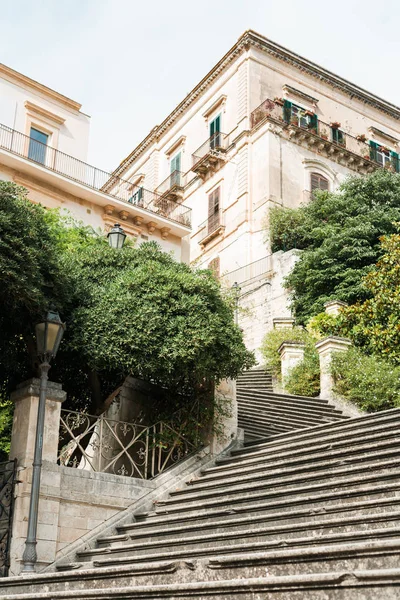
(338, 234)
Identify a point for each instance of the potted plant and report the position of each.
(279, 101)
(361, 138)
(324, 136)
(335, 125)
(309, 113)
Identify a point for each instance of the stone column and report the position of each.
(283, 323)
(325, 349)
(292, 353)
(226, 390)
(26, 399)
(333, 307)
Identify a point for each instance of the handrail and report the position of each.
(49, 158)
(216, 143)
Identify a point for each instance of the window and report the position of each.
(137, 197)
(319, 182)
(38, 146)
(175, 170)
(338, 137)
(213, 210)
(383, 156)
(215, 128)
(292, 113)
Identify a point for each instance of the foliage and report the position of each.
(370, 382)
(323, 325)
(304, 378)
(339, 234)
(6, 417)
(375, 323)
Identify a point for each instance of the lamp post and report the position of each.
(237, 288)
(116, 237)
(48, 338)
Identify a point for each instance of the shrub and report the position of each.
(304, 378)
(276, 337)
(370, 382)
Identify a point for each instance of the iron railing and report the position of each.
(210, 226)
(247, 273)
(325, 132)
(22, 145)
(215, 144)
(175, 182)
(122, 448)
(7, 485)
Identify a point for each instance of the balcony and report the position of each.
(327, 139)
(173, 187)
(212, 228)
(211, 155)
(67, 166)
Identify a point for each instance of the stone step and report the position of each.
(309, 533)
(236, 496)
(248, 401)
(315, 501)
(282, 419)
(290, 397)
(261, 398)
(259, 480)
(319, 432)
(335, 446)
(291, 411)
(243, 523)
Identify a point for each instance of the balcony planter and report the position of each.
(361, 138)
(309, 113)
(335, 125)
(279, 101)
(294, 121)
(324, 136)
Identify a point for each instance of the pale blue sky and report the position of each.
(129, 63)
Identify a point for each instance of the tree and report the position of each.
(338, 234)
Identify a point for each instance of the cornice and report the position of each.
(14, 76)
(35, 108)
(251, 39)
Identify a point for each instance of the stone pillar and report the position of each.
(292, 353)
(283, 323)
(26, 399)
(333, 307)
(228, 425)
(325, 349)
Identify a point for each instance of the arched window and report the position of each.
(319, 182)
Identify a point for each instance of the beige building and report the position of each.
(263, 128)
(43, 146)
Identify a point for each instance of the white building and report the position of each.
(264, 127)
(43, 147)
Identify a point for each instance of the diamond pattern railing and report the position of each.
(7, 484)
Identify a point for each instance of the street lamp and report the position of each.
(48, 338)
(237, 289)
(116, 237)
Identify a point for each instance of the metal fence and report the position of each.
(7, 484)
(215, 144)
(123, 448)
(174, 182)
(258, 268)
(43, 155)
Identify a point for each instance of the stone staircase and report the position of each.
(263, 413)
(309, 514)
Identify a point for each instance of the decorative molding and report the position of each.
(220, 102)
(386, 136)
(123, 214)
(288, 89)
(179, 142)
(251, 39)
(21, 79)
(165, 231)
(151, 226)
(39, 110)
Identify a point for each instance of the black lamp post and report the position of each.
(237, 288)
(48, 338)
(116, 237)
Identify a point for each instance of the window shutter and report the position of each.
(314, 123)
(395, 161)
(213, 210)
(287, 110)
(319, 182)
(373, 146)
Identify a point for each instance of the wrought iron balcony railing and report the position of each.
(211, 149)
(323, 136)
(173, 185)
(211, 228)
(255, 270)
(22, 145)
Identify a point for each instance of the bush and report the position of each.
(370, 382)
(304, 378)
(275, 338)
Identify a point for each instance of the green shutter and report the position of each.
(287, 110)
(395, 161)
(314, 123)
(215, 125)
(373, 146)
